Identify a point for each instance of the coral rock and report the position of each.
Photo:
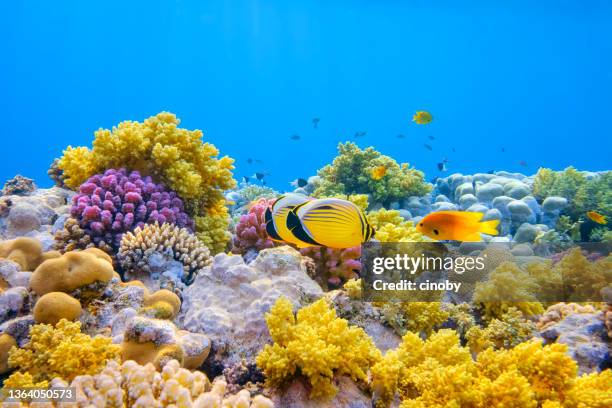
(19, 185)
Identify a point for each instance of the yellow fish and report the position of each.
(329, 222)
(276, 217)
(378, 172)
(422, 117)
(456, 226)
(597, 217)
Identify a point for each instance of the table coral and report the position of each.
(115, 202)
(251, 229)
(317, 343)
(60, 351)
(350, 173)
(174, 156)
(132, 385)
(440, 373)
(166, 240)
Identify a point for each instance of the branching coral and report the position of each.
(440, 373)
(251, 229)
(318, 344)
(350, 173)
(391, 227)
(60, 351)
(333, 266)
(132, 385)
(173, 156)
(508, 331)
(110, 204)
(166, 240)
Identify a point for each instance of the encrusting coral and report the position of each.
(87, 272)
(55, 306)
(115, 202)
(167, 240)
(60, 351)
(171, 155)
(318, 344)
(251, 229)
(131, 385)
(350, 173)
(440, 373)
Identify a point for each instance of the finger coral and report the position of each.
(171, 155)
(318, 344)
(60, 351)
(440, 373)
(251, 229)
(166, 241)
(115, 202)
(351, 173)
(132, 385)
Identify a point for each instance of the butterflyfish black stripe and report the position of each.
(270, 230)
(297, 229)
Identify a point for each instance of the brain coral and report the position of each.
(168, 240)
(60, 351)
(110, 204)
(174, 156)
(350, 173)
(318, 344)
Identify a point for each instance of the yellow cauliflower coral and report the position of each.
(317, 343)
(60, 351)
(171, 155)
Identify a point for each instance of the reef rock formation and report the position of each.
(228, 300)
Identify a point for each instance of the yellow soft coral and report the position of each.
(508, 331)
(391, 227)
(60, 351)
(174, 156)
(419, 317)
(440, 373)
(317, 343)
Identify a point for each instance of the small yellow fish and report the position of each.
(422, 118)
(456, 226)
(597, 217)
(378, 172)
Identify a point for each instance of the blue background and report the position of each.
(534, 77)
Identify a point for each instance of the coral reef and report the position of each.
(318, 344)
(333, 267)
(25, 252)
(19, 185)
(55, 306)
(439, 372)
(60, 351)
(228, 300)
(151, 251)
(350, 173)
(132, 385)
(391, 227)
(171, 155)
(115, 202)
(251, 236)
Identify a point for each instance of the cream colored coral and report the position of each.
(178, 243)
(132, 385)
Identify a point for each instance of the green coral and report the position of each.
(351, 173)
(440, 373)
(508, 331)
(171, 155)
(583, 193)
(318, 344)
(60, 351)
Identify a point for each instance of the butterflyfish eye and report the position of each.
(436, 232)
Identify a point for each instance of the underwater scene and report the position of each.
(340, 204)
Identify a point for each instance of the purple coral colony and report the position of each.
(93, 293)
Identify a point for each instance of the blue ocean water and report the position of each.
(534, 78)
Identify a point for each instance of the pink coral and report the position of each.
(115, 202)
(334, 266)
(251, 229)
